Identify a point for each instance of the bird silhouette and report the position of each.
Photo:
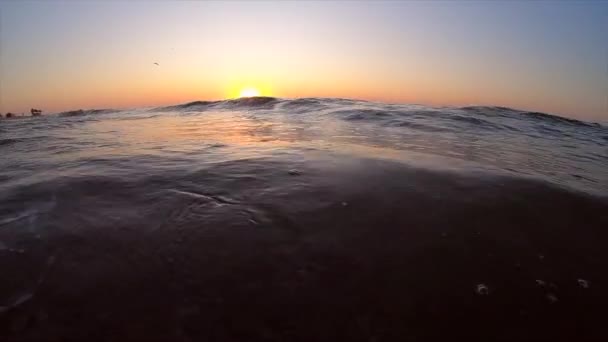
(156, 63)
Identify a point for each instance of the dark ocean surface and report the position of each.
(264, 219)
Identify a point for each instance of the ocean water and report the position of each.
(313, 219)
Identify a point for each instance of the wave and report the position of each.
(417, 126)
(315, 103)
(171, 225)
(194, 105)
(303, 102)
(255, 101)
(362, 114)
(488, 108)
(80, 112)
(473, 120)
(208, 242)
(410, 117)
(506, 111)
(561, 119)
(261, 101)
(9, 141)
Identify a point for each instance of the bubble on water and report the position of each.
(17, 218)
(482, 289)
(551, 298)
(20, 300)
(583, 283)
(23, 298)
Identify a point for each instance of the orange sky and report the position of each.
(63, 56)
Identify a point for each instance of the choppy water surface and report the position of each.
(308, 219)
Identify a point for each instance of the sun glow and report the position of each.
(247, 88)
(249, 92)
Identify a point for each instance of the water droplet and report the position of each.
(23, 298)
(551, 298)
(583, 283)
(482, 289)
(19, 251)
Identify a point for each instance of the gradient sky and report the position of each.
(544, 56)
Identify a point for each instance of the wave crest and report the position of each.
(81, 112)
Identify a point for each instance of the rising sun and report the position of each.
(249, 92)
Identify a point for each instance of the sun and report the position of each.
(247, 88)
(249, 92)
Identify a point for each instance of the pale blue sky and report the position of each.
(549, 56)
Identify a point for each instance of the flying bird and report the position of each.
(156, 63)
